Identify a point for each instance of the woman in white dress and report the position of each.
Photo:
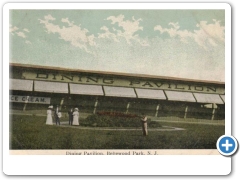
(75, 117)
(49, 120)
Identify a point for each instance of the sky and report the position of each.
(174, 43)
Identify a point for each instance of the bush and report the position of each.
(116, 119)
(117, 114)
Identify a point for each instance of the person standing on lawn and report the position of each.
(57, 120)
(144, 124)
(70, 116)
(55, 114)
(49, 120)
(75, 117)
(58, 116)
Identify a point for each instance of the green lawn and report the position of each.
(30, 132)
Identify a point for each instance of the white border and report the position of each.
(107, 6)
(115, 165)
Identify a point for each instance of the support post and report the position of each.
(157, 108)
(185, 114)
(61, 103)
(214, 106)
(24, 106)
(128, 105)
(95, 106)
(213, 114)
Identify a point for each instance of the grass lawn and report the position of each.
(31, 132)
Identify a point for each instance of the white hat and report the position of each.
(75, 109)
(50, 107)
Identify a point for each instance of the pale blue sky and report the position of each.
(176, 43)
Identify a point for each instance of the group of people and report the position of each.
(56, 114)
(73, 118)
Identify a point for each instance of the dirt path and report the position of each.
(163, 128)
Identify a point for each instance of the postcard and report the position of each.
(107, 88)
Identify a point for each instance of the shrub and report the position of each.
(116, 114)
(116, 119)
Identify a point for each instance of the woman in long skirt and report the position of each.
(49, 120)
(75, 117)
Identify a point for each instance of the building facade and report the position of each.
(36, 87)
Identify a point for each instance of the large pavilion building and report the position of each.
(36, 87)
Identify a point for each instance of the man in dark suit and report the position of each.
(70, 116)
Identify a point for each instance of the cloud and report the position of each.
(67, 21)
(209, 33)
(107, 34)
(49, 18)
(174, 31)
(12, 29)
(74, 34)
(26, 30)
(130, 28)
(51, 28)
(81, 38)
(15, 30)
(21, 34)
(206, 36)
